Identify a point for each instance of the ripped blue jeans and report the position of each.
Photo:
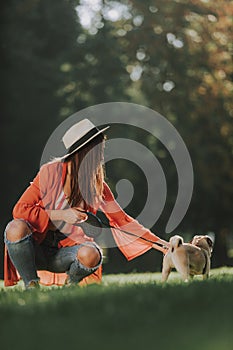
(28, 256)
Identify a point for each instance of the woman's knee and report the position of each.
(17, 230)
(89, 256)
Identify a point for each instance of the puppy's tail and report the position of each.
(176, 242)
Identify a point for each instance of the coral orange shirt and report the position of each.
(43, 194)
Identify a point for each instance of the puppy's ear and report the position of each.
(209, 241)
(192, 240)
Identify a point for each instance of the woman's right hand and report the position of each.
(73, 216)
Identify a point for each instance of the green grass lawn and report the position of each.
(132, 311)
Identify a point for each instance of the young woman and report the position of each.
(43, 243)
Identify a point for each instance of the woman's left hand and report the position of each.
(82, 216)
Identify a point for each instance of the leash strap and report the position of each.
(95, 221)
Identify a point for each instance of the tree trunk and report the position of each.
(220, 253)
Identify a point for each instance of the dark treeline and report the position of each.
(171, 56)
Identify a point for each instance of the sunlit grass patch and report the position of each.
(126, 311)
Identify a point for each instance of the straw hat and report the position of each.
(79, 135)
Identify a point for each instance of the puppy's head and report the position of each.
(175, 242)
(204, 242)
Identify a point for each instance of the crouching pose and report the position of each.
(43, 242)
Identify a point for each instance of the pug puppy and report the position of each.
(188, 259)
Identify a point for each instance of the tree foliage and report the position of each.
(187, 48)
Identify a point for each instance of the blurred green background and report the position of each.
(174, 56)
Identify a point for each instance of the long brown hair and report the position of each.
(87, 174)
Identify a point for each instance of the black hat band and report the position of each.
(83, 139)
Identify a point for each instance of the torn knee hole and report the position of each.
(17, 230)
(88, 256)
